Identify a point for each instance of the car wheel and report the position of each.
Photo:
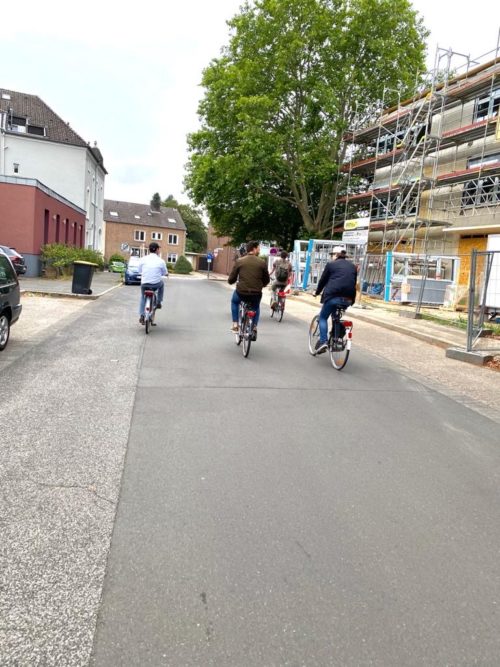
(4, 331)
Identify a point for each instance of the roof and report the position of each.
(141, 214)
(37, 114)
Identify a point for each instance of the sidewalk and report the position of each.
(102, 282)
(388, 316)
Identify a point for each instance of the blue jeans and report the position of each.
(326, 310)
(253, 299)
(159, 287)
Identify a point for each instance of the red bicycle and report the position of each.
(277, 305)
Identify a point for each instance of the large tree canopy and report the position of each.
(280, 98)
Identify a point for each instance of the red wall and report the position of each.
(22, 218)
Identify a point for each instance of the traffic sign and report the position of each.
(209, 257)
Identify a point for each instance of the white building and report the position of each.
(35, 143)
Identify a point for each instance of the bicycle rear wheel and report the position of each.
(239, 334)
(247, 335)
(339, 347)
(147, 314)
(281, 308)
(271, 306)
(313, 334)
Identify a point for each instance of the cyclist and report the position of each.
(250, 275)
(152, 268)
(282, 269)
(338, 284)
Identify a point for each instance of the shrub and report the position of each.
(62, 256)
(171, 267)
(117, 258)
(183, 265)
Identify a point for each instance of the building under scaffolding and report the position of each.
(424, 176)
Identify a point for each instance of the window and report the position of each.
(172, 257)
(487, 106)
(139, 235)
(173, 239)
(135, 252)
(383, 207)
(484, 191)
(36, 129)
(7, 275)
(114, 214)
(156, 236)
(16, 167)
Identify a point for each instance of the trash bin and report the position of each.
(82, 277)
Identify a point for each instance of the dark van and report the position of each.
(10, 296)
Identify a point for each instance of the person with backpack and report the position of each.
(282, 269)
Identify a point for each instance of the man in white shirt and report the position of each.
(152, 268)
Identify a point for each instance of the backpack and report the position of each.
(281, 273)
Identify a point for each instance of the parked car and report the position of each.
(16, 258)
(117, 267)
(10, 296)
(132, 275)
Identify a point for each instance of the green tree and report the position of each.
(171, 202)
(155, 202)
(196, 230)
(280, 98)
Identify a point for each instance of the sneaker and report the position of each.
(235, 328)
(158, 306)
(321, 347)
(254, 335)
(141, 319)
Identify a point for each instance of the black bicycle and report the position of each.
(339, 337)
(149, 309)
(246, 326)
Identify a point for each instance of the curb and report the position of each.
(69, 295)
(420, 335)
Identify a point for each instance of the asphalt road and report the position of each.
(274, 511)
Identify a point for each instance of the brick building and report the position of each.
(130, 228)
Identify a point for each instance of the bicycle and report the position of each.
(246, 326)
(149, 309)
(277, 304)
(339, 337)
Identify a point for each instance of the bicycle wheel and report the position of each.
(281, 308)
(247, 335)
(313, 334)
(338, 344)
(271, 306)
(147, 314)
(239, 334)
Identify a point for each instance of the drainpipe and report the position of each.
(3, 117)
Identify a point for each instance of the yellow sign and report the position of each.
(351, 224)
(357, 223)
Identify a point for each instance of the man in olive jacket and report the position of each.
(250, 275)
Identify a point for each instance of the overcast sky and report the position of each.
(127, 75)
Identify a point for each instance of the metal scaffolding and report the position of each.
(430, 162)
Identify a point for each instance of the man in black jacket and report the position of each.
(338, 284)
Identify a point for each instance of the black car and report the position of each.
(16, 259)
(10, 307)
